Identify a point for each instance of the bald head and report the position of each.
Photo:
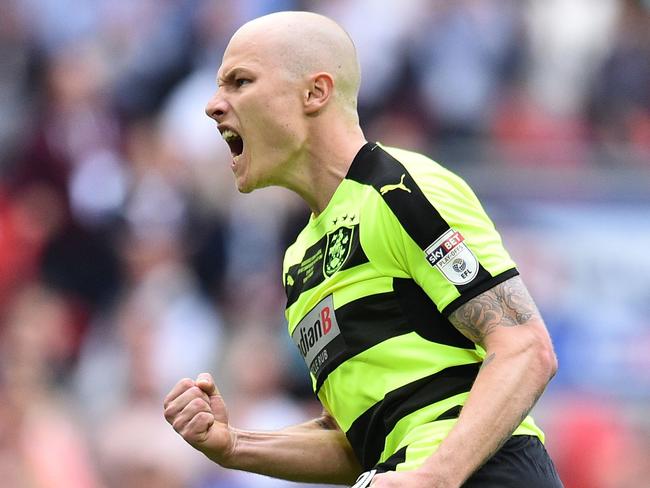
(305, 43)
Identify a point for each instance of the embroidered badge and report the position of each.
(337, 249)
(453, 258)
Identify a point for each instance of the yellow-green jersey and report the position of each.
(370, 283)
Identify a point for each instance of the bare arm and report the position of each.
(519, 364)
(316, 451)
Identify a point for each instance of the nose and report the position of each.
(216, 107)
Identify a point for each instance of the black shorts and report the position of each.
(522, 462)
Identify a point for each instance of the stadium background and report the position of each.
(128, 260)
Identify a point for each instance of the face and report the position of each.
(258, 109)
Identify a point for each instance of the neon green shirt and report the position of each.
(370, 283)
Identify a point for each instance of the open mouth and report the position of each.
(234, 141)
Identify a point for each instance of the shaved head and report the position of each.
(304, 43)
(286, 103)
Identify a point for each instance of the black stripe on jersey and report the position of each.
(477, 290)
(368, 432)
(400, 455)
(373, 319)
(420, 219)
(425, 317)
(391, 463)
(365, 323)
(452, 413)
(297, 272)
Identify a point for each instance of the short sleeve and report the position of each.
(449, 245)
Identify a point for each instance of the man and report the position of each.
(422, 342)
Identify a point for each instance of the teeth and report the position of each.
(229, 135)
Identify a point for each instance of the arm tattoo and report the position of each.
(507, 304)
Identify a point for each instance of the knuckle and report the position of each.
(169, 417)
(178, 425)
(206, 417)
(186, 383)
(200, 421)
(170, 414)
(197, 404)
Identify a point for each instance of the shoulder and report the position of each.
(382, 165)
(407, 179)
(425, 197)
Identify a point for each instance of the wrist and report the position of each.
(225, 457)
(441, 473)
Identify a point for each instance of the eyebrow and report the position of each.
(230, 74)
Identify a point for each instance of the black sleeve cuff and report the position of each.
(478, 289)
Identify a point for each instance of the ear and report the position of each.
(319, 91)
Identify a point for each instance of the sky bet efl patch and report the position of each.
(453, 258)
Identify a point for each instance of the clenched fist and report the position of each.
(198, 413)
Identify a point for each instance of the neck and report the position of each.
(326, 161)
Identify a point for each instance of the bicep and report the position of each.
(506, 305)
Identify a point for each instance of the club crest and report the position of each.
(337, 250)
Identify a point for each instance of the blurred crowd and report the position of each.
(128, 260)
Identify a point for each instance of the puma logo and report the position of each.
(399, 186)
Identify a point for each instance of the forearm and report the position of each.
(506, 388)
(314, 452)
